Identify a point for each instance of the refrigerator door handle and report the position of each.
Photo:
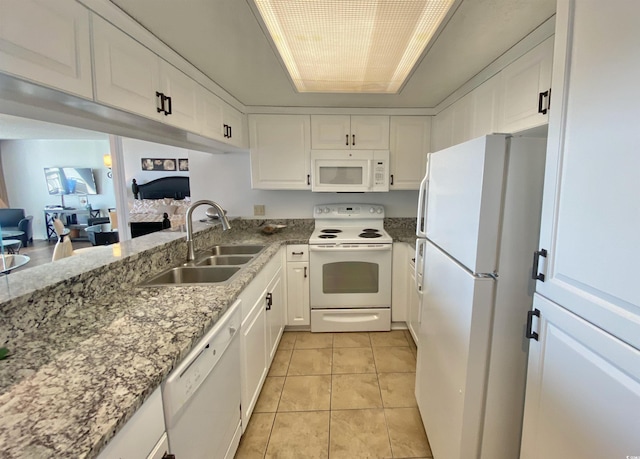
(421, 224)
(417, 267)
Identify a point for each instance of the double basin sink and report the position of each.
(214, 265)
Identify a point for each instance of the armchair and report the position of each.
(14, 219)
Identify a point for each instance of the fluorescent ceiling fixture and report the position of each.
(351, 46)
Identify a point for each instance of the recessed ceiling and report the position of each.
(224, 39)
(338, 46)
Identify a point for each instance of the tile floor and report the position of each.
(338, 395)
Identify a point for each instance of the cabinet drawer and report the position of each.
(298, 252)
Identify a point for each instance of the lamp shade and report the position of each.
(107, 160)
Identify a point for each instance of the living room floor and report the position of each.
(338, 395)
(41, 252)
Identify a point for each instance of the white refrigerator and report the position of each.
(478, 225)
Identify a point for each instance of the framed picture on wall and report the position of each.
(158, 164)
(183, 164)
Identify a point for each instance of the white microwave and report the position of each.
(349, 170)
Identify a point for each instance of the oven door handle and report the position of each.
(342, 248)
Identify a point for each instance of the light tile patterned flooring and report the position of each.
(338, 395)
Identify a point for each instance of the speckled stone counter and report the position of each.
(88, 346)
(401, 229)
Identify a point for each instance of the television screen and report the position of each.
(70, 180)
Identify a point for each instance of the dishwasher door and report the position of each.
(202, 395)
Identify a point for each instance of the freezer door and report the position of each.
(464, 200)
(453, 355)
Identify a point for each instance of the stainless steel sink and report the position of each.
(231, 250)
(216, 260)
(185, 275)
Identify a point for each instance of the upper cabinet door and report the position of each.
(234, 126)
(47, 42)
(182, 94)
(526, 87)
(345, 132)
(211, 108)
(370, 132)
(127, 74)
(409, 144)
(280, 152)
(591, 215)
(330, 132)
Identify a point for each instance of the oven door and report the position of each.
(353, 276)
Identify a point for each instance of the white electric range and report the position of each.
(350, 256)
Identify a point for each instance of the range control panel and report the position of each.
(345, 211)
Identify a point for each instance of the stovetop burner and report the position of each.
(338, 225)
(369, 235)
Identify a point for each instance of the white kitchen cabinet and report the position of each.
(590, 217)
(183, 94)
(261, 330)
(131, 77)
(410, 139)
(211, 109)
(220, 120)
(442, 130)
(344, 132)
(583, 389)
(48, 43)
(143, 435)
(486, 108)
(253, 353)
(583, 372)
(399, 296)
(298, 301)
(276, 312)
(233, 126)
(526, 88)
(280, 152)
(453, 125)
(413, 314)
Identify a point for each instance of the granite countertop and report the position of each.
(88, 347)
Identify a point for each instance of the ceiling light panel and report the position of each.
(351, 46)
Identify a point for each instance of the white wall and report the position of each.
(134, 150)
(23, 163)
(226, 179)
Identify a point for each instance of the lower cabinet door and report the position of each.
(583, 390)
(275, 314)
(298, 293)
(253, 349)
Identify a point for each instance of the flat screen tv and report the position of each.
(70, 180)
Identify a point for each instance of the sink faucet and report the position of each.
(225, 223)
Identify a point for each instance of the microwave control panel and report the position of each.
(380, 171)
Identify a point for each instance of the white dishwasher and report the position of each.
(201, 397)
